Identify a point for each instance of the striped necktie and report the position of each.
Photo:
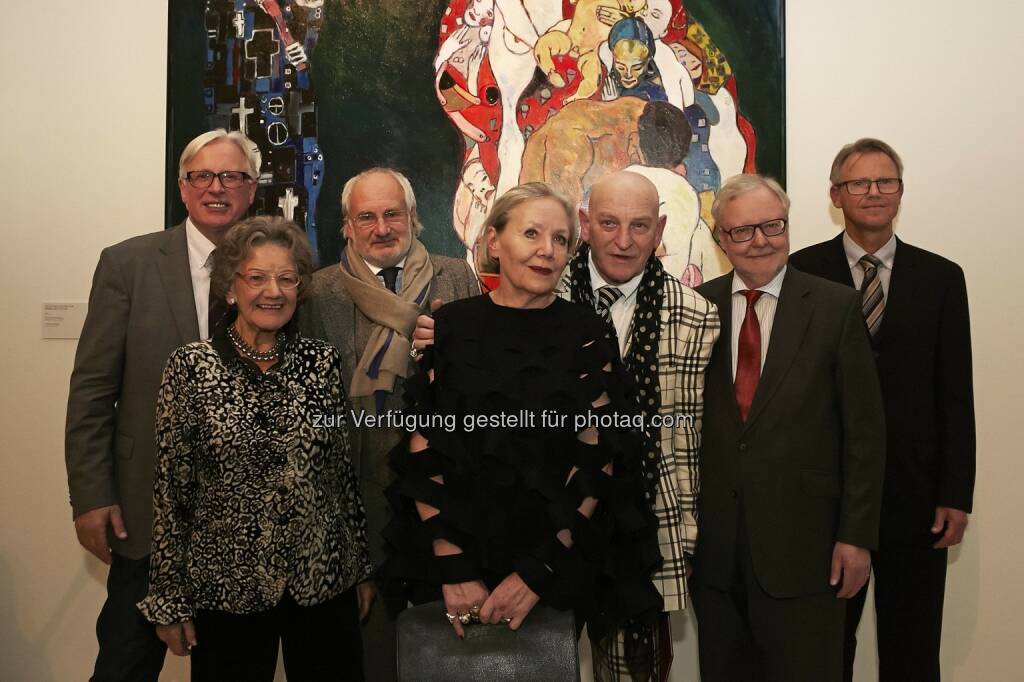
(606, 296)
(873, 298)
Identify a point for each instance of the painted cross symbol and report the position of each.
(243, 116)
(288, 204)
(239, 23)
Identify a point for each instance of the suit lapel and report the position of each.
(340, 321)
(792, 316)
(836, 263)
(176, 277)
(899, 299)
(719, 292)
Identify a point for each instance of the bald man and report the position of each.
(665, 332)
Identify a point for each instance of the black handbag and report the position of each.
(543, 649)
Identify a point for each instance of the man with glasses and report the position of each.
(150, 294)
(366, 306)
(915, 306)
(792, 456)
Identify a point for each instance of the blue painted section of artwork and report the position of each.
(257, 81)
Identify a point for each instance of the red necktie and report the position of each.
(748, 358)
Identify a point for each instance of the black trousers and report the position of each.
(321, 643)
(910, 587)
(379, 632)
(129, 647)
(746, 635)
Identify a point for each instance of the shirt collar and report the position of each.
(376, 269)
(854, 251)
(773, 288)
(597, 281)
(199, 247)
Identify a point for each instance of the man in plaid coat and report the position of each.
(665, 333)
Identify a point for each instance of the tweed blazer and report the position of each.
(330, 314)
(141, 308)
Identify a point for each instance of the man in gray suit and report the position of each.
(150, 294)
(366, 306)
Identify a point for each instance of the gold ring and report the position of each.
(465, 618)
(474, 614)
(450, 617)
(506, 620)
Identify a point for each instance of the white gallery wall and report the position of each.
(82, 143)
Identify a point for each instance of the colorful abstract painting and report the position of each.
(471, 97)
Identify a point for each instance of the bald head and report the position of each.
(621, 184)
(622, 225)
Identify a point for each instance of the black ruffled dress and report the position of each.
(501, 421)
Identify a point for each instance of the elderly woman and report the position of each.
(259, 530)
(515, 489)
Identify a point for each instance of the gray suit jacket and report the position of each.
(805, 469)
(141, 308)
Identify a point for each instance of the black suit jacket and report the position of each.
(806, 468)
(924, 364)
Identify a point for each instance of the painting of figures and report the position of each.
(471, 97)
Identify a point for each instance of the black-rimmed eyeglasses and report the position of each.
(862, 186)
(201, 179)
(744, 233)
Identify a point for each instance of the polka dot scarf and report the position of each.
(642, 357)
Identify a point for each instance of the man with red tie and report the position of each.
(792, 458)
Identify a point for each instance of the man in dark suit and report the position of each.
(915, 303)
(792, 456)
(150, 294)
(366, 306)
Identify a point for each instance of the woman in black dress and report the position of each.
(515, 488)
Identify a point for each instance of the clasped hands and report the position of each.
(510, 602)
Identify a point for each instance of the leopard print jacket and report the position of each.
(254, 492)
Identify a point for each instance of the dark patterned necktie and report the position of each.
(606, 297)
(216, 306)
(872, 296)
(748, 357)
(390, 276)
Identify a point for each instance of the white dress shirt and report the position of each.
(886, 254)
(621, 312)
(200, 265)
(764, 307)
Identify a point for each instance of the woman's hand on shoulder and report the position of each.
(461, 599)
(179, 637)
(510, 602)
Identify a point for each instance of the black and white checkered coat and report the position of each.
(689, 329)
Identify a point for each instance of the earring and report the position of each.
(231, 300)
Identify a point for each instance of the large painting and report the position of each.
(471, 97)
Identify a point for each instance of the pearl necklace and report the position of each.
(248, 351)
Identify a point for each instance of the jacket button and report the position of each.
(283, 490)
(743, 447)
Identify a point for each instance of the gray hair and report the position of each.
(257, 231)
(741, 184)
(864, 145)
(410, 198)
(517, 196)
(248, 147)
